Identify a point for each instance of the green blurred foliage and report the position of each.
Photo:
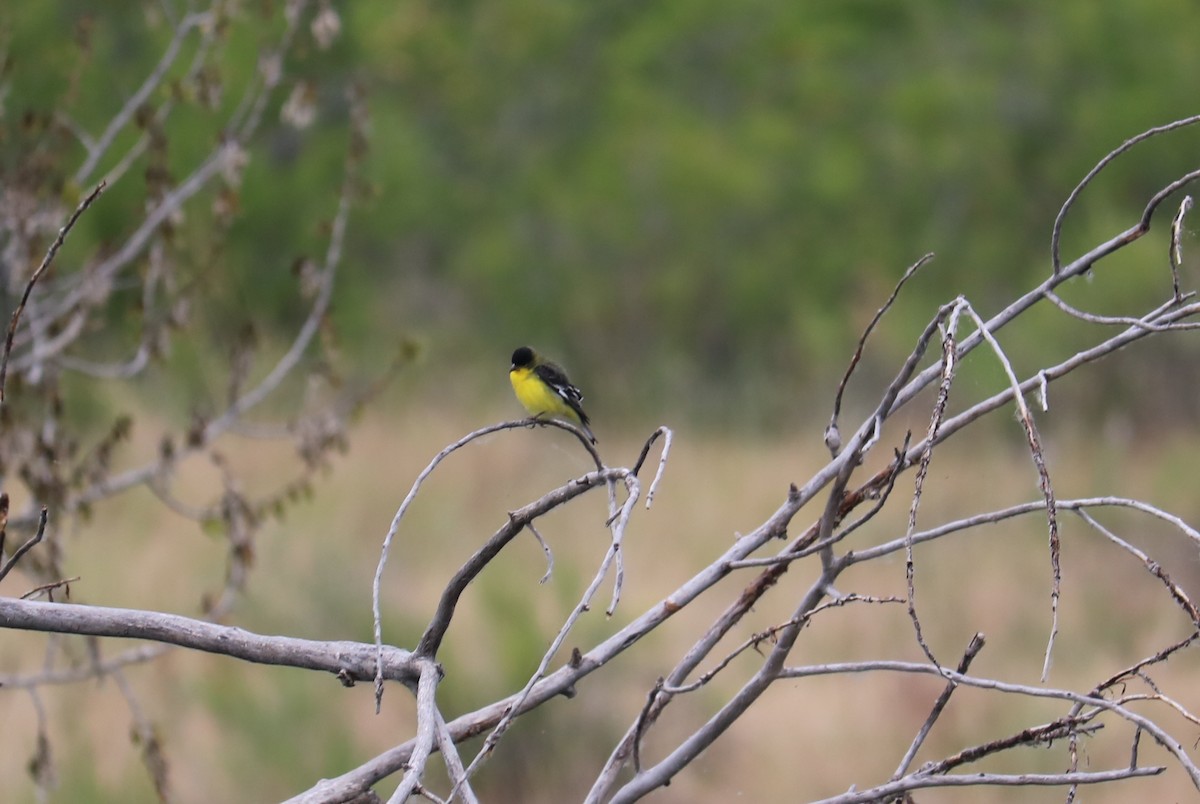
(696, 206)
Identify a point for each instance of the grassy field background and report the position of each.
(246, 733)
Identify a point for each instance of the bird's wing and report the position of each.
(556, 378)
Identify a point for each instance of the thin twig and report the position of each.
(756, 640)
(964, 664)
(1039, 461)
(454, 765)
(938, 414)
(427, 728)
(41, 269)
(889, 791)
(1175, 250)
(1160, 656)
(832, 437)
(1152, 566)
(49, 588)
(662, 462)
(545, 549)
(1056, 232)
(26, 547)
(1084, 700)
(137, 99)
(643, 719)
(619, 525)
(1070, 726)
(1120, 320)
(41, 766)
(146, 737)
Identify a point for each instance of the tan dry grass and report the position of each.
(249, 733)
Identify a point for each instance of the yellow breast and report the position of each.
(537, 397)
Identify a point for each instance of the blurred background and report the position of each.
(696, 208)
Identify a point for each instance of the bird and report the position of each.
(543, 388)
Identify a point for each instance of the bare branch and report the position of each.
(99, 148)
(545, 549)
(27, 546)
(1175, 250)
(916, 782)
(1135, 718)
(667, 435)
(454, 765)
(1070, 727)
(1108, 158)
(661, 773)
(349, 661)
(1153, 567)
(41, 269)
(1039, 461)
(833, 437)
(949, 367)
(964, 663)
(427, 727)
(147, 738)
(1121, 320)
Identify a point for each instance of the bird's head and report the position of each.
(522, 358)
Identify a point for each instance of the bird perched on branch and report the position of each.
(544, 390)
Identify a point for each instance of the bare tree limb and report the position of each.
(833, 438)
(1108, 158)
(1160, 735)
(964, 663)
(949, 368)
(427, 727)
(37, 274)
(19, 553)
(349, 661)
(100, 146)
(1175, 249)
(915, 782)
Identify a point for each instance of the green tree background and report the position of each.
(694, 205)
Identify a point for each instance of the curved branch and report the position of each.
(41, 269)
(1056, 232)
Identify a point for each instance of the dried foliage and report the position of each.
(116, 313)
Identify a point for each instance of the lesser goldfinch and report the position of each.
(544, 390)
